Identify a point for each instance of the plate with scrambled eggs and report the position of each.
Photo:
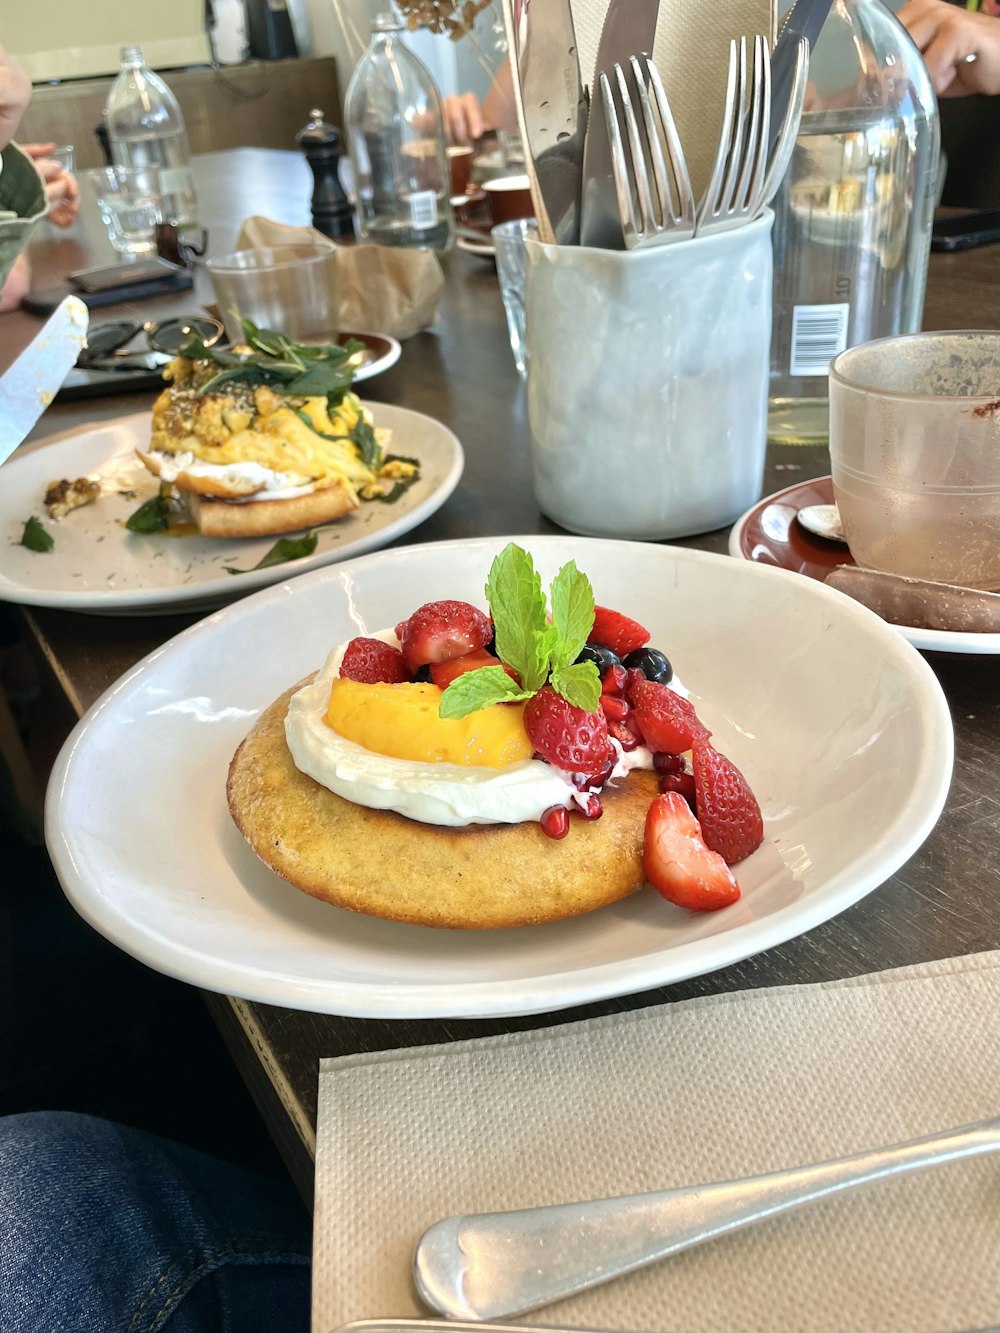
(118, 539)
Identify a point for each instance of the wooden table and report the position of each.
(945, 901)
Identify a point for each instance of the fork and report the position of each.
(655, 199)
(735, 188)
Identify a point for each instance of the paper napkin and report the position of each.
(709, 1089)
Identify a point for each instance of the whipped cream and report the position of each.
(447, 794)
(271, 485)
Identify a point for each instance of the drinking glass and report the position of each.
(289, 288)
(129, 200)
(509, 246)
(915, 455)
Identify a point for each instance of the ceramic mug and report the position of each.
(647, 382)
(508, 198)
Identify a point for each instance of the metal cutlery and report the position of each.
(554, 108)
(653, 189)
(805, 21)
(493, 1265)
(735, 188)
(30, 384)
(788, 128)
(629, 29)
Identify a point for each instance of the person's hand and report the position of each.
(61, 187)
(15, 94)
(463, 118)
(947, 36)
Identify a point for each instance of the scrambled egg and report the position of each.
(239, 422)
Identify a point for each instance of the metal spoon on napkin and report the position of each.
(492, 1265)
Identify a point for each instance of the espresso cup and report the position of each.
(460, 167)
(509, 198)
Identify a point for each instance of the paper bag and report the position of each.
(381, 289)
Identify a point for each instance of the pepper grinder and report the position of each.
(332, 213)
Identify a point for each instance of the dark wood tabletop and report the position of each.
(945, 901)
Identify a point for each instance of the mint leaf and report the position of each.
(477, 689)
(153, 516)
(514, 592)
(572, 614)
(35, 538)
(579, 684)
(285, 548)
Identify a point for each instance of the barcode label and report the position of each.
(423, 210)
(819, 333)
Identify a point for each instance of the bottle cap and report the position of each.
(387, 22)
(132, 55)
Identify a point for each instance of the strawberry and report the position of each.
(443, 673)
(373, 662)
(616, 631)
(677, 862)
(667, 722)
(439, 631)
(730, 818)
(400, 630)
(567, 737)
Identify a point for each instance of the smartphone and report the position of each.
(962, 231)
(163, 284)
(107, 276)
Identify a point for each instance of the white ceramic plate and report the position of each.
(481, 249)
(97, 566)
(840, 727)
(768, 534)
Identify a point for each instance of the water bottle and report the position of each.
(853, 216)
(146, 131)
(395, 130)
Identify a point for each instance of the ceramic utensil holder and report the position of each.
(647, 382)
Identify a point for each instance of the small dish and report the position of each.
(481, 249)
(768, 534)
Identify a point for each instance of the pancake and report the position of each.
(385, 865)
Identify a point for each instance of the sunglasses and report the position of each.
(106, 341)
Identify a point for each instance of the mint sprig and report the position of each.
(538, 648)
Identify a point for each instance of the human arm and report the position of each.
(948, 36)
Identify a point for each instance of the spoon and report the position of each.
(822, 521)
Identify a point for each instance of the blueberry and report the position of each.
(652, 663)
(422, 675)
(602, 657)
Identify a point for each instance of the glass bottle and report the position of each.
(395, 130)
(146, 132)
(853, 216)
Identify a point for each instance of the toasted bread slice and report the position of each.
(266, 518)
(382, 864)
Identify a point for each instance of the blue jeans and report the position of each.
(105, 1229)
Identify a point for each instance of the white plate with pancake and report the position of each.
(98, 566)
(839, 725)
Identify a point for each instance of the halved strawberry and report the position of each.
(373, 662)
(677, 862)
(400, 630)
(443, 673)
(616, 631)
(439, 631)
(568, 737)
(667, 722)
(730, 818)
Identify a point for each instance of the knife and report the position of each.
(554, 106)
(629, 30)
(804, 19)
(30, 384)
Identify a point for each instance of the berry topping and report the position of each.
(730, 817)
(683, 785)
(653, 664)
(590, 806)
(614, 708)
(624, 735)
(677, 862)
(614, 680)
(443, 673)
(603, 658)
(372, 662)
(564, 735)
(616, 631)
(400, 630)
(555, 822)
(439, 631)
(667, 721)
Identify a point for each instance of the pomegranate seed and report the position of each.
(614, 708)
(622, 735)
(632, 723)
(555, 822)
(591, 807)
(614, 680)
(581, 781)
(635, 676)
(668, 763)
(682, 783)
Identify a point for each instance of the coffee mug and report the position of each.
(509, 198)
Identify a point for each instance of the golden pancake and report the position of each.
(382, 864)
